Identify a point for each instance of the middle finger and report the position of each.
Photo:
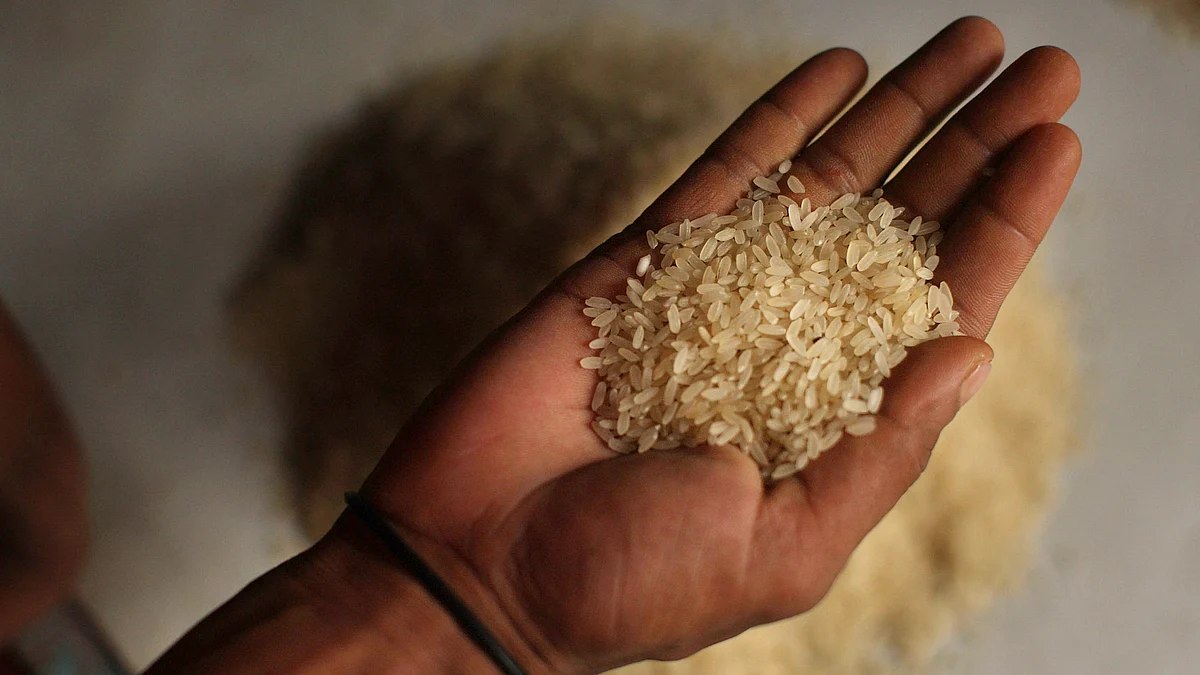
(859, 151)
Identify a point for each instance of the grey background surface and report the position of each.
(146, 144)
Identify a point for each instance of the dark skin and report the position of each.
(43, 526)
(581, 560)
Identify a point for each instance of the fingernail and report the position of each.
(974, 382)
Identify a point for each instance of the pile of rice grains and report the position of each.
(771, 328)
(337, 309)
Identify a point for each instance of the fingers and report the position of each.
(774, 128)
(809, 526)
(858, 152)
(1001, 226)
(819, 518)
(1037, 88)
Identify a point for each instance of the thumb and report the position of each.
(830, 506)
(861, 478)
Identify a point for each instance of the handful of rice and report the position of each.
(771, 328)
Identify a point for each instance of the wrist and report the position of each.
(350, 574)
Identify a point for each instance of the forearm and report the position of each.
(336, 608)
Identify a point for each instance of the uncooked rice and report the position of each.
(771, 328)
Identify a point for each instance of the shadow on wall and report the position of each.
(445, 207)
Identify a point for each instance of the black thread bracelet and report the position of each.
(458, 610)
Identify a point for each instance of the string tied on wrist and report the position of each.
(433, 584)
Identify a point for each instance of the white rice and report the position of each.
(771, 328)
(795, 185)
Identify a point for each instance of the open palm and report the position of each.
(590, 560)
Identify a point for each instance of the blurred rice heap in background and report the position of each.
(380, 276)
(1178, 18)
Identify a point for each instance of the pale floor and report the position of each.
(146, 143)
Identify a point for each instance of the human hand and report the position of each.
(583, 560)
(43, 524)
